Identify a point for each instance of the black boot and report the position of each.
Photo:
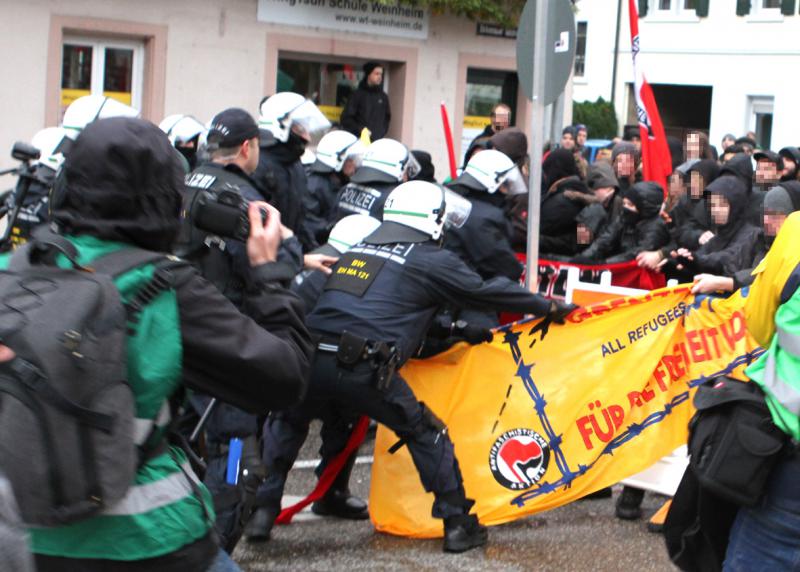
(338, 501)
(464, 532)
(259, 527)
(629, 504)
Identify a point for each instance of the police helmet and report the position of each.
(386, 160)
(52, 144)
(488, 170)
(426, 207)
(351, 230)
(336, 147)
(89, 108)
(285, 112)
(181, 129)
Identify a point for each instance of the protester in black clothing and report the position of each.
(561, 201)
(640, 228)
(513, 143)
(625, 161)
(741, 167)
(769, 167)
(791, 163)
(427, 172)
(368, 105)
(499, 120)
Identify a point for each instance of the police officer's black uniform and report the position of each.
(320, 202)
(383, 294)
(365, 193)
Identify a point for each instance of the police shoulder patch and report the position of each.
(354, 273)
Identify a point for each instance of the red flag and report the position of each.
(656, 157)
(448, 137)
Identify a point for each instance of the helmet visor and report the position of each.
(412, 166)
(514, 181)
(457, 209)
(308, 121)
(353, 152)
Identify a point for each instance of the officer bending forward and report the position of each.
(372, 317)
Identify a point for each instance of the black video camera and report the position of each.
(224, 213)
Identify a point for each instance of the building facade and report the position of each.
(200, 56)
(723, 66)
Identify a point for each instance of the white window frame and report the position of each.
(99, 46)
(759, 105)
(675, 13)
(760, 14)
(582, 77)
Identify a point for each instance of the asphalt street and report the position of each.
(584, 535)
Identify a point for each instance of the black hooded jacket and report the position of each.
(741, 167)
(794, 154)
(737, 243)
(320, 201)
(368, 107)
(690, 216)
(623, 239)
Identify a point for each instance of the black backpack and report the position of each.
(66, 409)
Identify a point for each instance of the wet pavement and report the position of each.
(584, 535)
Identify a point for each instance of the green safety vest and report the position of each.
(777, 371)
(162, 511)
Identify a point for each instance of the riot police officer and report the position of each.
(372, 316)
(386, 164)
(338, 156)
(184, 132)
(288, 121)
(287, 430)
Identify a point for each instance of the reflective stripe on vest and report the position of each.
(788, 342)
(141, 499)
(142, 428)
(785, 394)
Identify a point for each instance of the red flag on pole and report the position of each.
(656, 158)
(448, 137)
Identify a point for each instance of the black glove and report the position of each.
(472, 334)
(558, 311)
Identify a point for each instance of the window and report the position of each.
(485, 89)
(769, 4)
(676, 6)
(580, 50)
(760, 120)
(108, 67)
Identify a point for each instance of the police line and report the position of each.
(546, 414)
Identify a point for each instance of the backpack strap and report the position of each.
(41, 249)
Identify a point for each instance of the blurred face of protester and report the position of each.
(582, 137)
(349, 168)
(500, 118)
(766, 172)
(727, 157)
(624, 166)
(727, 142)
(773, 221)
(604, 194)
(584, 234)
(677, 186)
(789, 168)
(567, 141)
(692, 146)
(696, 185)
(375, 77)
(720, 209)
(629, 205)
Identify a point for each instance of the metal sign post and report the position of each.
(545, 54)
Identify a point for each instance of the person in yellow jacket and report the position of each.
(767, 536)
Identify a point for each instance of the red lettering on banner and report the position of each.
(694, 346)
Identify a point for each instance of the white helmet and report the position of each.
(52, 143)
(351, 230)
(181, 129)
(490, 169)
(283, 111)
(88, 108)
(336, 147)
(389, 160)
(417, 204)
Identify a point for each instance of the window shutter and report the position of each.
(702, 8)
(787, 7)
(742, 7)
(642, 8)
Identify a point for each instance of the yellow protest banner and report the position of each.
(546, 414)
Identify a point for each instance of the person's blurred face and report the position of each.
(567, 141)
(375, 77)
(582, 137)
(692, 146)
(349, 168)
(624, 165)
(789, 167)
(604, 194)
(629, 204)
(720, 209)
(773, 221)
(727, 142)
(500, 118)
(696, 185)
(677, 186)
(584, 234)
(250, 152)
(766, 172)
(727, 157)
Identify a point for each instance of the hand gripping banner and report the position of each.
(546, 413)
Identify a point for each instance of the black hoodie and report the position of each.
(623, 239)
(737, 243)
(741, 166)
(690, 216)
(368, 107)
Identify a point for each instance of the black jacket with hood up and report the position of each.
(623, 239)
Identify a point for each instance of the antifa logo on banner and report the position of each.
(518, 459)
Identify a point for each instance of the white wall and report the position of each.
(738, 56)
